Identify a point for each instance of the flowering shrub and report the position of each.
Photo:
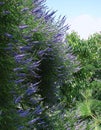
(34, 64)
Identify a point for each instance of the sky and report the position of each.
(83, 16)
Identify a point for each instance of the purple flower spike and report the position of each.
(41, 53)
(8, 35)
(36, 84)
(38, 110)
(31, 90)
(18, 69)
(38, 2)
(63, 20)
(25, 9)
(34, 66)
(33, 121)
(49, 16)
(49, 49)
(70, 56)
(37, 10)
(23, 26)
(20, 57)
(25, 48)
(24, 113)
(21, 74)
(19, 81)
(27, 61)
(18, 99)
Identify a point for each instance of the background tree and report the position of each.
(85, 86)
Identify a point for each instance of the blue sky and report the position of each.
(83, 16)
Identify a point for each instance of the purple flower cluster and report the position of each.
(31, 90)
(2, 3)
(25, 48)
(19, 81)
(33, 121)
(18, 99)
(49, 16)
(23, 26)
(41, 60)
(23, 113)
(6, 12)
(8, 35)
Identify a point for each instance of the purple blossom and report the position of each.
(60, 75)
(17, 69)
(45, 52)
(34, 30)
(2, 3)
(33, 101)
(21, 74)
(35, 84)
(39, 15)
(19, 81)
(33, 121)
(62, 21)
(41, 53)
(6, 12)
(8, 48)
(35, 43)
(70, 56)
(20, 56)
(26, 61)
(49, 49)
(10, 44)
(26, 37)
(23, 26)
(25, 9)
(77, 69)
(25, 48)
(35, 74)
(31, 90)
(60, 67)
(24, 113)
(49, 16)
(58, 37)
(18, 99)
(20, 127)
(37, 10)
(8, 35)
(34, 66)
(38, 110)
(38, 2)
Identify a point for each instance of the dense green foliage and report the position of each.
(9, 19)
(46, 83)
